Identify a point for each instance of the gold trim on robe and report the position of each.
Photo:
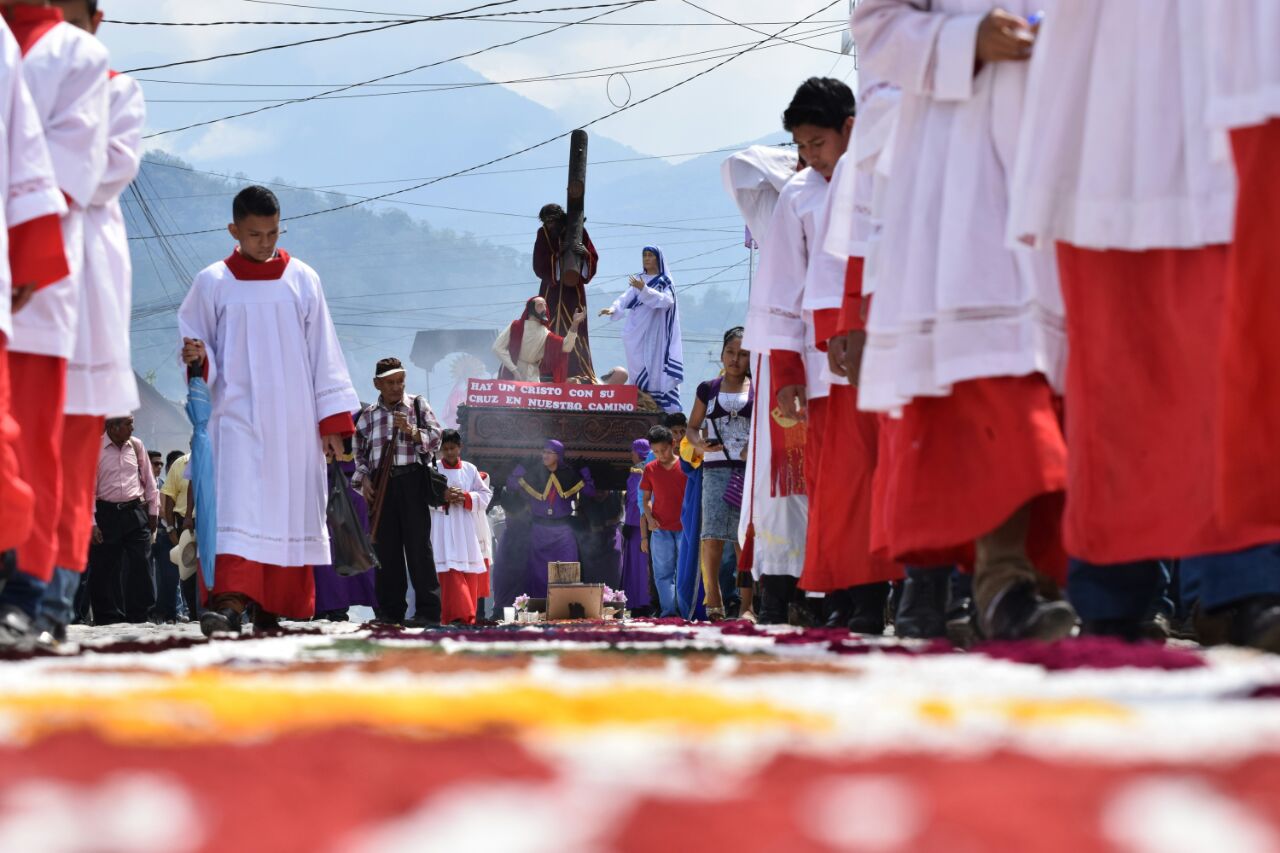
(551, 481)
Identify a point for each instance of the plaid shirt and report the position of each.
(373, 429)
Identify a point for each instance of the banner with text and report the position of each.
(548, 395)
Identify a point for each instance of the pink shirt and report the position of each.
(121, 479)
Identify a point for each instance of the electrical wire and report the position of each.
(555, 29)
(608, 71)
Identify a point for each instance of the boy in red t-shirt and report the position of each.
(662, 496)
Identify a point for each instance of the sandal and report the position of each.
(749, 616)
(715, 614)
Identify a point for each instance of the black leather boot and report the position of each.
(1255, 622)
(1017, 612)
(922, 610)
(867, 608)
(778, 590)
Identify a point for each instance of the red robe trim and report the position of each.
(39, 387)
(36, 252)
(840, 461)
(1249, 384)
(246, 270)
(30, 23)
(288, 591)
(960, 465)
(81, 444)
(853, 308)
(555, 362)
(1143, 384)
(788, 439)
(16, 497)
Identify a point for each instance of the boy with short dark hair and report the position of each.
(258, 327)
(662, 493)
(455, 536)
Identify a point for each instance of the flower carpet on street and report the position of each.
(623, 736)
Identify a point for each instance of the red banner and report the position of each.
(507, 393)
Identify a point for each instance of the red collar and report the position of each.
(451, 467)
(246, 270)
(29, 23)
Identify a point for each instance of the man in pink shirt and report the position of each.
(121, 588)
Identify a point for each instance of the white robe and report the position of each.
(651, 333)
(853, 220)
(27, 184)
(66, 71)
(755, 178)
(533, 345)
(455, 536)
(777, 316)
(276, 369)
(100, 378)
(1115, 151)
(1243, 56)
(953, 302)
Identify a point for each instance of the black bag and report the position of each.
(352, 553)
(436, 484)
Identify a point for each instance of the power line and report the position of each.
(503, 18)
(558, 136)
(459, 15)
(555, 29)
(827, 28)
(753, 29)
(582, 74)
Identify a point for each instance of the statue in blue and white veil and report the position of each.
(651, 331)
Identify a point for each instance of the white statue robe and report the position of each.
(28, 189)
(533, 345)
(455, 535)
(100, 378)
(66, 73)
(276, 370)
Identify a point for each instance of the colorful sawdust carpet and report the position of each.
(636, 736)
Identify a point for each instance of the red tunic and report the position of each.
(1143, 382)
(960, 465)
(1249, 385)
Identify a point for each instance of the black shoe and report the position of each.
(1256, 623)
(16, 632)
(867, 608)
(777, 591)
(8, 565)
(922, 609)
(801, 615)
(1019, 613)
(1129, 630)
(264, 622)
(224, 621)
(421, 622)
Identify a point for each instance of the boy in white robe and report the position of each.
(31, 257)
(258, 327)
(65, 70)
(456, 542)
(100, 379)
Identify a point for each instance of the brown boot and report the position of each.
(224, 615)
(1006, 588)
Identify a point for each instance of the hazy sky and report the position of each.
(740, 101)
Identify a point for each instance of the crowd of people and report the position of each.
(1018, 295)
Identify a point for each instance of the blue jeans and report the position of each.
(1118, 591)
(23, 592)
(664, 550)
(58, 605)
(1217, 580)
(169, 603)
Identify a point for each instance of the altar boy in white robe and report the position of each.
(456, 537)
(258, 326)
